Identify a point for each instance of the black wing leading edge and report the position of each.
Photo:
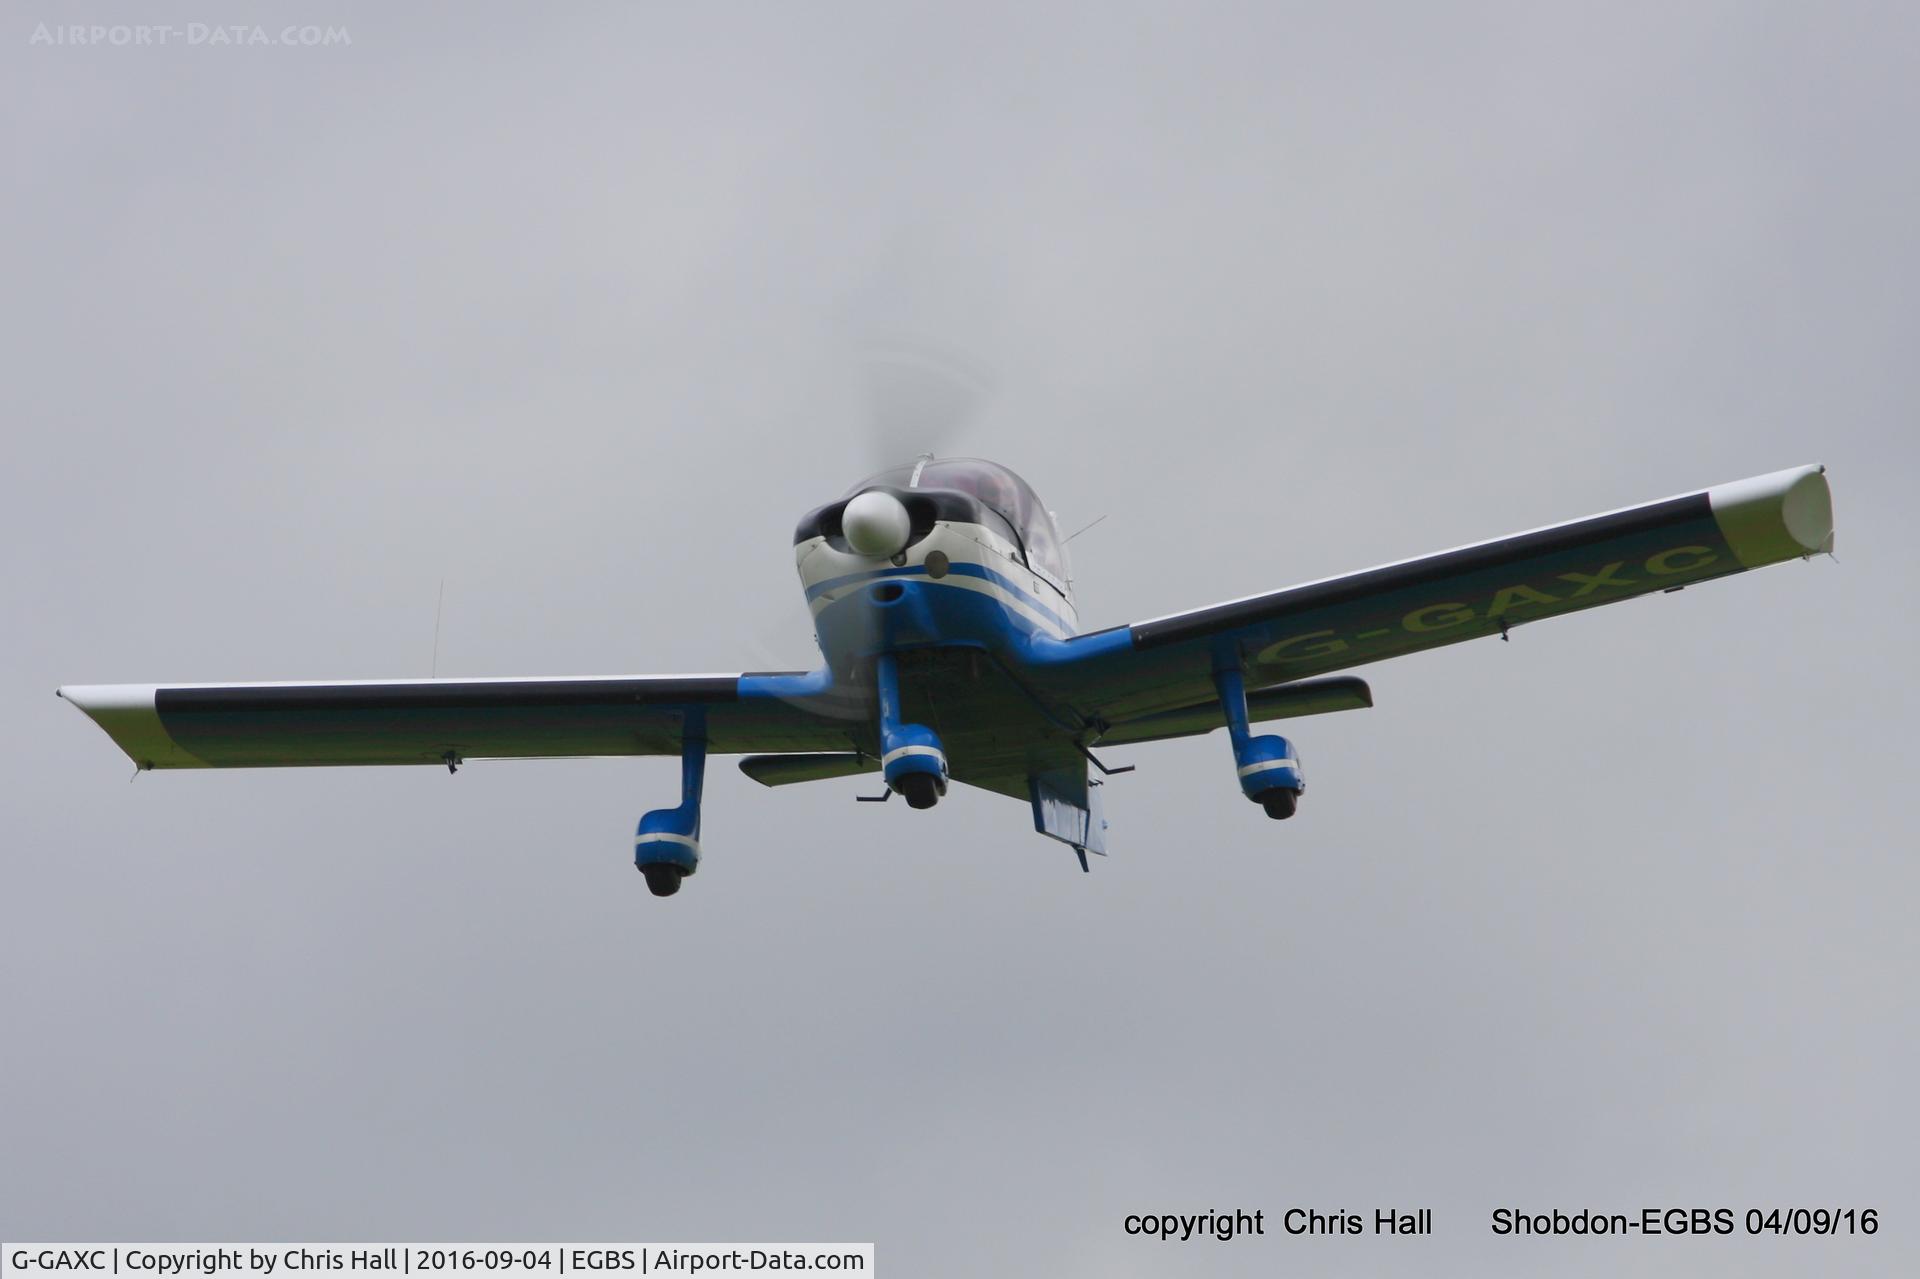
(426, 721)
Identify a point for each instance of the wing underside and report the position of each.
(1474, 591)
(426, 721)
(1129, 684)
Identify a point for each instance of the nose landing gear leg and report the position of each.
(911, 756)
(1268, 766)
(666, 848)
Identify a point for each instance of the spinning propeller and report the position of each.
(921, 399)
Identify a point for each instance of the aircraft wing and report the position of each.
(422, 721)
(1149, 668)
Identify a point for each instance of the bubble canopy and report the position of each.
(997, 487)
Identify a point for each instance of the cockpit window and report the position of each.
(1006, 493)
(1013, 498)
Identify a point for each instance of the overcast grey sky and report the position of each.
(568, 310)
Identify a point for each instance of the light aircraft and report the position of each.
(952, 653)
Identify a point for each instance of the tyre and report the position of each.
(663, 878)
(1280, 802)
(921, 789)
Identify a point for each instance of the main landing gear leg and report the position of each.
(1268, 766)
(666, 848)
(910, 754)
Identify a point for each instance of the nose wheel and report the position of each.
(911, 757)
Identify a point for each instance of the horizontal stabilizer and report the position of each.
(815, 766)
(1287, 701)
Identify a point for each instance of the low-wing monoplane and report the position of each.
(952, 653)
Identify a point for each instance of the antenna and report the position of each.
(1084, 528)
(433, 671)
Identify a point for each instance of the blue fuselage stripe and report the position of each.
(959, 568)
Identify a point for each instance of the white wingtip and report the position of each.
(128, 714)
(1769, 518)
